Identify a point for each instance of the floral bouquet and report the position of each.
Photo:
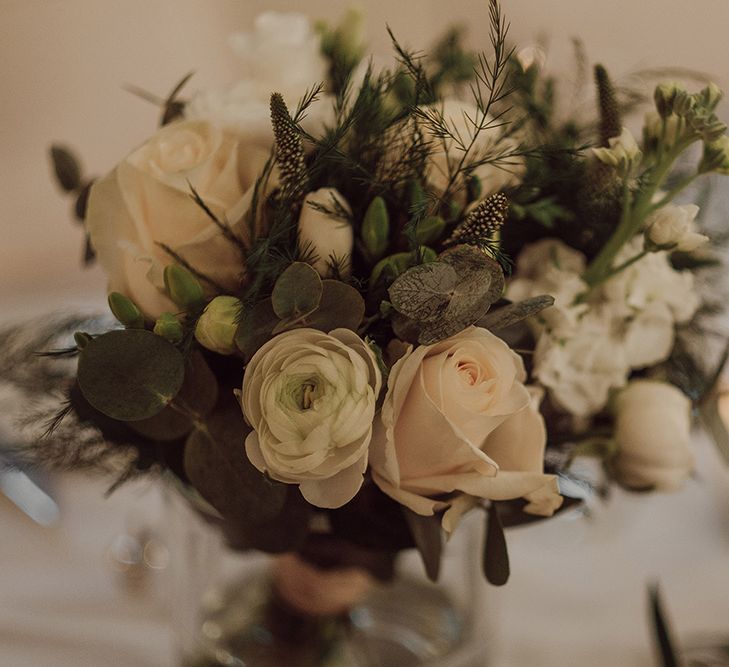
(350, 312)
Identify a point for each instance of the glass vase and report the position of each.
(246, 608)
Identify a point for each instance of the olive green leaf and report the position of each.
(514, 313)
(297, 291)
(446, 296)
(428, 536)
(495, 555)
(217, 465)
(130, 374)
(198, 395)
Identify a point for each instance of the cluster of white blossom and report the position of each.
(589, 342)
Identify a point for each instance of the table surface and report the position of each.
(576, 597)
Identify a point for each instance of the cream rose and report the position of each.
(146, 201)
(652, 431)
(458, 423)
(310, 399)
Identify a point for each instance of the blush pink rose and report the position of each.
(459, 424)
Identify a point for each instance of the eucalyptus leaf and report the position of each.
(217, 466)
(342, 306)
(514, 313)
(199, 394)
(428, 537)
(495, 554)
(446, 296)
(66, 168)
(297, 291)
(256, 328)
(662, 635)
(130, 374)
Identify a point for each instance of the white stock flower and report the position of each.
(673, 228)
(652, 431)
(325, 234)
(551, 267)
(580, 371)
(310, 399)
(651, 279)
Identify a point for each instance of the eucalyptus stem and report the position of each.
(674, 192)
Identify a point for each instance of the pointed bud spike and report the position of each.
(289, 150)
(482, 222)
(610, 122)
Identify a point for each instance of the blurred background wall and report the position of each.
(63, 64)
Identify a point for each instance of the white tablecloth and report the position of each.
(576, 597)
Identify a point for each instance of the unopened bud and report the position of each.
(711, 96)
(126, 311)
(183, 287)
(169, 327)
(683, 103)
(716, 156)
(664, 97)
(376, 228)
(216, 327)
(430, 230)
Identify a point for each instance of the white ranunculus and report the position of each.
(674, 226)
(145, 201)
(652, 431)
(651, 279)
(460, 117)
(323, 233)
(310, 399)
(551, 267)
(458, 423)
(282, 54)
(581, 370)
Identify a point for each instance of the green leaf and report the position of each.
(428, 536)
(662, 634)
(342, 306)
(256, 328)
(130, 374)
(430, 230)
(495, 555)
(199, 394)
(446, 296)
(297, 291)
(376, 228)
(514, 313)
(217, 465)
(66, 168)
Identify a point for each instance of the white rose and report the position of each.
(652, 431)
(494, 176)
(282, 54)
(674, 226)
(581, 370)
(457, 424)
(310, 399)
(325, 235)
(146, 201)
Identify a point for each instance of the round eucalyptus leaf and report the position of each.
(199, 393)
(130, 374)
(256, 328)
(424, 291)
(217, 466)
(342, 306)
(297, 291)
